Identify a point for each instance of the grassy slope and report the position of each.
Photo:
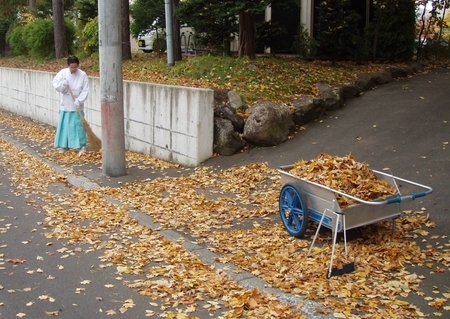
(278, 79)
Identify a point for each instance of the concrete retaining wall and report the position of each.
(172, 123)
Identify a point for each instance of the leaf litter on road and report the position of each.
(233, 212)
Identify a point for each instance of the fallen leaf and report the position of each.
(52, 313)
(16, 260)
(322, 311)
(149, 313)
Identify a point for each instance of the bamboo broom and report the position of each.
(95, 144)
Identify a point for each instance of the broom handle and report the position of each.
(71, 93)
(73, 98)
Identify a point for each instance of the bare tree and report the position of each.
(126, 45)
(59, 29)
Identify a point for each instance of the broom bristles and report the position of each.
(94, 143)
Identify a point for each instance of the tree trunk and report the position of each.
(126, 45)
(59, 29)
(177, 54)
(377, 33)
(246, 35)
(32, 4)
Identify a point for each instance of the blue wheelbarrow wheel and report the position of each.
(293, 209)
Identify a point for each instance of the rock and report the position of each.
(416, 67)
(397, 72)
(235, 100)
(350, 91)
(306, 109)
(268, 125)
(226, 140)
(226, 112)
(365, 82)
(332, 97)
(382, 77)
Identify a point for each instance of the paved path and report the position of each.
(403, 125)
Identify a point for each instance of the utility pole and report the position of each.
(111, 88)
(169, 32)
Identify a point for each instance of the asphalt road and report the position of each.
(403, 125)
(42, 277)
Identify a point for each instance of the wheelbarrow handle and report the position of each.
(399, 199)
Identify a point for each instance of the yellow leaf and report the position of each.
(401, 303)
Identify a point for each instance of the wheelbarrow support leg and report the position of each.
(340, 219)
(317, 231)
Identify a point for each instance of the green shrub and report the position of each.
(36, 38)
(390, 35)
(89, 37)
(39, 38)
(304, 45)
(270, 35)
(337, 30)
(15, 38)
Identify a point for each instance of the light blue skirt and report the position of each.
(70, 132)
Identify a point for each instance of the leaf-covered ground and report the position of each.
(278, 79)
(233, 212)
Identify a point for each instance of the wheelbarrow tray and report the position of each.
(321, 199)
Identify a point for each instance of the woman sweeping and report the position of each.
(71, 81)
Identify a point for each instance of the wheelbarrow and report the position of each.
(302, 200)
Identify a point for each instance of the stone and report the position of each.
(235, 100)
(382, 77)
(226, 112)
(331, 97)
(397, 72)
(365, 82)
(226, 140)
(306, 109)
(350, 91)
(269, 124)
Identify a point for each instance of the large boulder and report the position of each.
(226, 140)
(269, 124)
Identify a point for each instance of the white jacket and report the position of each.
(78, 83)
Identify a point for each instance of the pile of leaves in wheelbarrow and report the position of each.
(343, 174)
